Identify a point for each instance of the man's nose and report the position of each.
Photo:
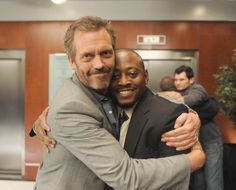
(123, 80)
(98, 62)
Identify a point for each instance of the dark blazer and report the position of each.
(152, 116)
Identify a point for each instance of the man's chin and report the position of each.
(99, 86)
(125, 105)
(180, 90)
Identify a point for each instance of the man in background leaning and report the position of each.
(210, 177)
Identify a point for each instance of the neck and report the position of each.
(101, 91)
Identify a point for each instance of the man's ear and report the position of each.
(192, 80)
(146, 75)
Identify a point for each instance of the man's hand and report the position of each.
(185, 134)
(41, 128)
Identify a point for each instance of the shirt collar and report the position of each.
(128, 111)
(99, 97)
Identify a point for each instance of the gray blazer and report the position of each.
(87, 155)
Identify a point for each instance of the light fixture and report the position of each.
(58, 1)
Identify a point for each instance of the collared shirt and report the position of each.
(109, 111)
(125, 125)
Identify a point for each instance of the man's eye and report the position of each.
(107, 53)
(133, 74)
(87, 57)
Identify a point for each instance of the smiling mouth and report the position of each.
(125, 92)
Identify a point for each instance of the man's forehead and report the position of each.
(126, 57)
(180, 75)
(96, 35)
(125, 53)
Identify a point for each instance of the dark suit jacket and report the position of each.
(152, 116)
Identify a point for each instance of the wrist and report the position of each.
(190, 110)
(197, 146)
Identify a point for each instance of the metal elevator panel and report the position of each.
(12, 146)
(160, 63)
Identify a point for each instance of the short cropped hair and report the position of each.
(167, 84)
(188, 70)
(132, 52)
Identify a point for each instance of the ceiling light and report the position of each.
(58, 1)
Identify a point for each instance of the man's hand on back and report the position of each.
(185, 134)
(41, 128)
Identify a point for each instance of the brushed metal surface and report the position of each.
(160, 63)
(12, 147)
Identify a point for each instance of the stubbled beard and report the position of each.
(125, 106)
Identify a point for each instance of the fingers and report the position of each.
(178, 134)
(195, 120)
(45, 112)
(46, 148)
(179, 138)
(187, 144)
(183, 144)
(42, 120)
(41, 129)
(181, 120)
(185, 134)
(46, 141)
(187, 129)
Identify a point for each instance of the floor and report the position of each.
(16, 185)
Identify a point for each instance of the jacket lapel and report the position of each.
(137, 123)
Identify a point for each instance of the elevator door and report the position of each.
(11, 114)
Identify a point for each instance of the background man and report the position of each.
(194, 95)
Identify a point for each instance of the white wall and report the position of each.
(195, 10)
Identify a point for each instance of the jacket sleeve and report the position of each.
(207, 110)
(195, 95)
(163, 149)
